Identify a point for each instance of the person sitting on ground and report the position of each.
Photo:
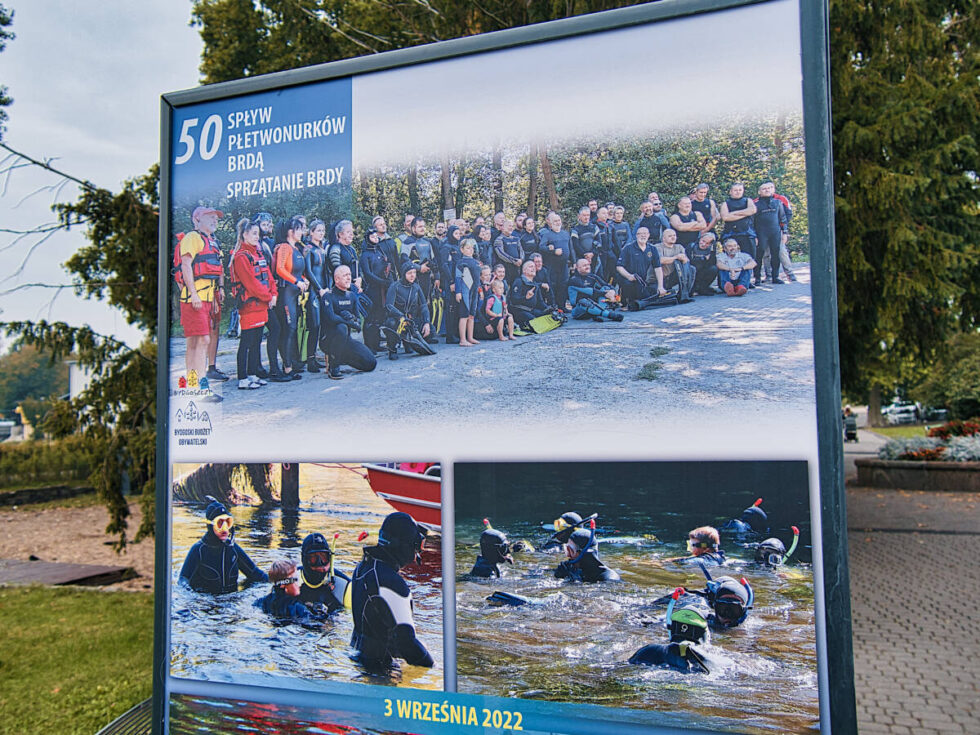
(405, 300)
(213, 563)
(494, 550)
(704, 260)
(381, 601)
(543, 278)
(704, 543)
(340, 319)
(322, 585)
(636, 261)
(497, 314)
(735, 269)
(467, 290)
(678, 270)
(583, 563)
(526, 302)
(591, 297)
(283, 602)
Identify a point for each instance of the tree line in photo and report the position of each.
(306, 284)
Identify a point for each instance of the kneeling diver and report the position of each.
(381, 600)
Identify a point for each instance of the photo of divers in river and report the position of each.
(674, 593)
(302, 571)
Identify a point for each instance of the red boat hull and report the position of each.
(416, 494)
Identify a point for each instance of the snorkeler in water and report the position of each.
(753, 522)
(687, 627)
(321, 583)
(772, 552)
(283, 602)
(214, 563)
(730, 600)
(382, 601)
(564, 526)
(494, 550)
(583, 563)
(704, 543)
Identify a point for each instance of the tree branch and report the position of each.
(47, 166)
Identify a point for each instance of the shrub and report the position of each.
(42, 462)
(963, 449)
(956, 428)
(904, 447)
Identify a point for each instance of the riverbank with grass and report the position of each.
(72, 659)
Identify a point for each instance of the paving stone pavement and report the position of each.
(915, 595)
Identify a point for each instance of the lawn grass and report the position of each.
(906, 430)
(72, 659)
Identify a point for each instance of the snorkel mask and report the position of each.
(730, 600)
(686, 623)
(772, 553)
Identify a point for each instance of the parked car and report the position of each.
(907, 414)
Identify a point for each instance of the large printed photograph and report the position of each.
(681, 592)
(316, 573)
(546, 257)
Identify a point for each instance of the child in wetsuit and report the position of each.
(497, 312)
(283, 602)
(704, 543)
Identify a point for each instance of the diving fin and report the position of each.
(414, 340)
(499, 599)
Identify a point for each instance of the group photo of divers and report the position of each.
(321, 303)
(664, 587)
(343, 587)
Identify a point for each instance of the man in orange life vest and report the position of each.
(200, 305)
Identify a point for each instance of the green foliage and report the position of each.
(115, 416)
(77, 683)
(245, 37)
(6, 20)
(37, 463)
(120, 264)
(954, 381)
(29, 373)
(906, 109)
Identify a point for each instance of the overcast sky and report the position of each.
(86, 79)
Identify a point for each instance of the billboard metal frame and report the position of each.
(837, 701)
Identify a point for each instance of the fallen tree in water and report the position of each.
(231, 484)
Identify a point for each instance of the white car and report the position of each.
(907, 414)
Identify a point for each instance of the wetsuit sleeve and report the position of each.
(334, 259)
(246, 276)
(311, 272)
(284, 263)
(372, 278)
(424, 307)
(783, 218)
(390, 301)
(189, 569)
(248, 567)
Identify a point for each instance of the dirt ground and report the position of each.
(75, 535)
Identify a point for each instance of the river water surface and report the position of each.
(227, 638)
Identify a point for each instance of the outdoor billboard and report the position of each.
(498, 386)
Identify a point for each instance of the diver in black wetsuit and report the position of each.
(590, 295)
(321, 584)
(283, 603)
(737, 212)
(381, 600)
(289, 269)
(342, 252)
(386, 244)
(556, 248)
(448, 255)
(376, 271)
(687, 627)
(526, 299)
(319, 279)
(772, 552)
(420, 250)
(771, 223)
(507, 249)
(494, 550)
(583, 563)
(753, 520)
(730, 601)
(405, 300)
(584, 240)
(213, 563)
(340, 320)
(273, 326)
